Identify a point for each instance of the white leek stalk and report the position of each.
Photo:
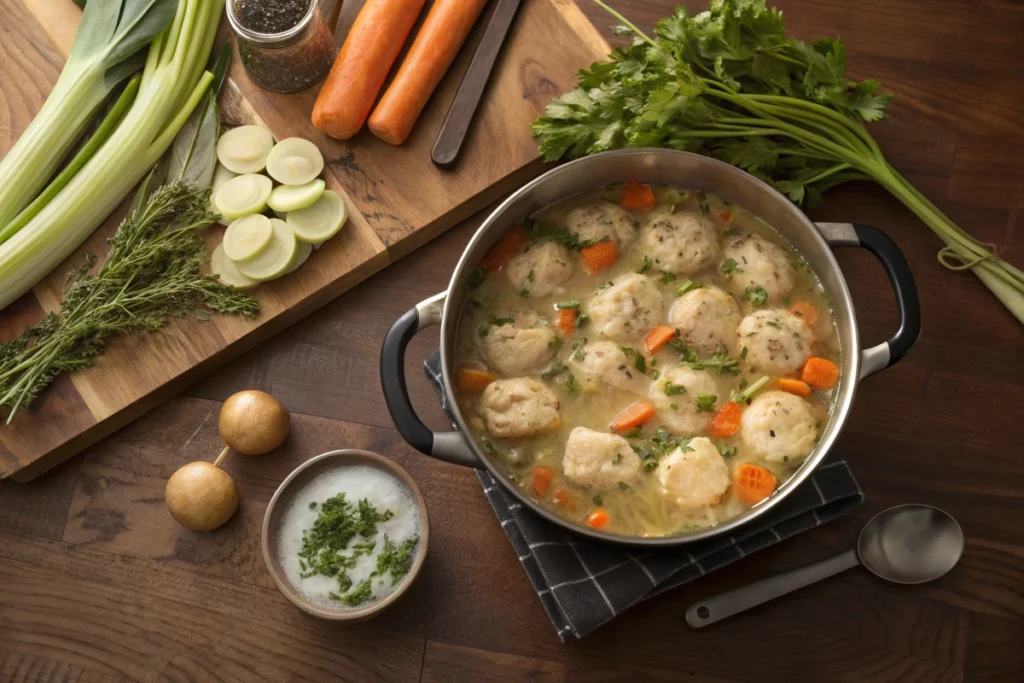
(173, 82)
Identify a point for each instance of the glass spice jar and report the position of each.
(282, 48)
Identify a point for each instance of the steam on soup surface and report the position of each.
(635, 362)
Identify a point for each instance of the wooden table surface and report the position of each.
(98, 584)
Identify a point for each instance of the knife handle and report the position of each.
(467, 99)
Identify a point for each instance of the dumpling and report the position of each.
(602, 222)
(605, 362)
(778, 427)
(680, 243)
(541, 270)
(695, 395)
(628, 309)
(777, 341)
(599, 460)
(519, 407)
(706, 319)
(694, 476)
(514, 351)
(751, 261)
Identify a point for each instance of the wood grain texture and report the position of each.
(90, 549)
(397, 201)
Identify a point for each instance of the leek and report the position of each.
(106, 50)
(172, 84)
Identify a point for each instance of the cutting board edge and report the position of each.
(124, 416)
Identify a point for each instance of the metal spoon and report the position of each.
(905, 544)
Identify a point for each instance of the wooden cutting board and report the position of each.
(397, 201)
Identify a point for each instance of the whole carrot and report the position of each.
(432, 53)
(362, 65)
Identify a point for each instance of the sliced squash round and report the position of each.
(320, 221)
(244, 195)
(226, 270)
(245, 149)
(285, 198)
(276, 258)
(221, 175)
(247, 236)
(301, 255)
(294, 161)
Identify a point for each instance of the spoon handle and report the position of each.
(724, 605)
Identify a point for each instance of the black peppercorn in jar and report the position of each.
(285, 45)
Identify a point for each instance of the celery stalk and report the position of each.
(103, 54)
(166, 97)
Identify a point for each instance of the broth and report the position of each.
(568, 351)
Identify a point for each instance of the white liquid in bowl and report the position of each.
(384, 492)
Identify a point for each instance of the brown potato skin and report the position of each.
(201, 497)
(253, 422)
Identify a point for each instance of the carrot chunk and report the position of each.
(567, 321)
(793, 386)
(636, 415)
(805, 311)
(599, 256)
(637, 197)
(597, 519)
(726, 421)
(563, 499)
(541, 478)
(820, 373)
(505, 248)
(753, 484)
(726, 216)
(471, 379)
(658, 337)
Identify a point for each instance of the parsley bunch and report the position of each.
(728, 83)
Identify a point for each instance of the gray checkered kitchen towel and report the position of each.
(584, 584)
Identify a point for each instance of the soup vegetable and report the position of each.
(648, 361)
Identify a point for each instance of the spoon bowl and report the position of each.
(910, 544)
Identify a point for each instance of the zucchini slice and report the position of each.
(321, 220)
(294, 161)
(244, 195)
(276, 258)
(246, 237)
(287, 198)
(227, 271)
(245, 149)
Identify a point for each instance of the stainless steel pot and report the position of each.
(685, 170)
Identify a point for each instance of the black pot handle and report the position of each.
(448, 446)
(886, 354)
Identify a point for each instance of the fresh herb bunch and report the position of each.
(150, 274)
(728, 83)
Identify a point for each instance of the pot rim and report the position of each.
(842, 399)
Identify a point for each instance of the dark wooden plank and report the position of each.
(994, 653)
(39, 507)
(21, 668)
(444, 663)
(105, 623)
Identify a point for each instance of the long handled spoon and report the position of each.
(905, 544)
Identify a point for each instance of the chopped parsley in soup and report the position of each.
(648, 361)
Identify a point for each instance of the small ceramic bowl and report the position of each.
(294, 482)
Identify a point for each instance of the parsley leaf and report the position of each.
(729, 266)
(706, 403)
(558, 368)
(648, 263)
(757, 295)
